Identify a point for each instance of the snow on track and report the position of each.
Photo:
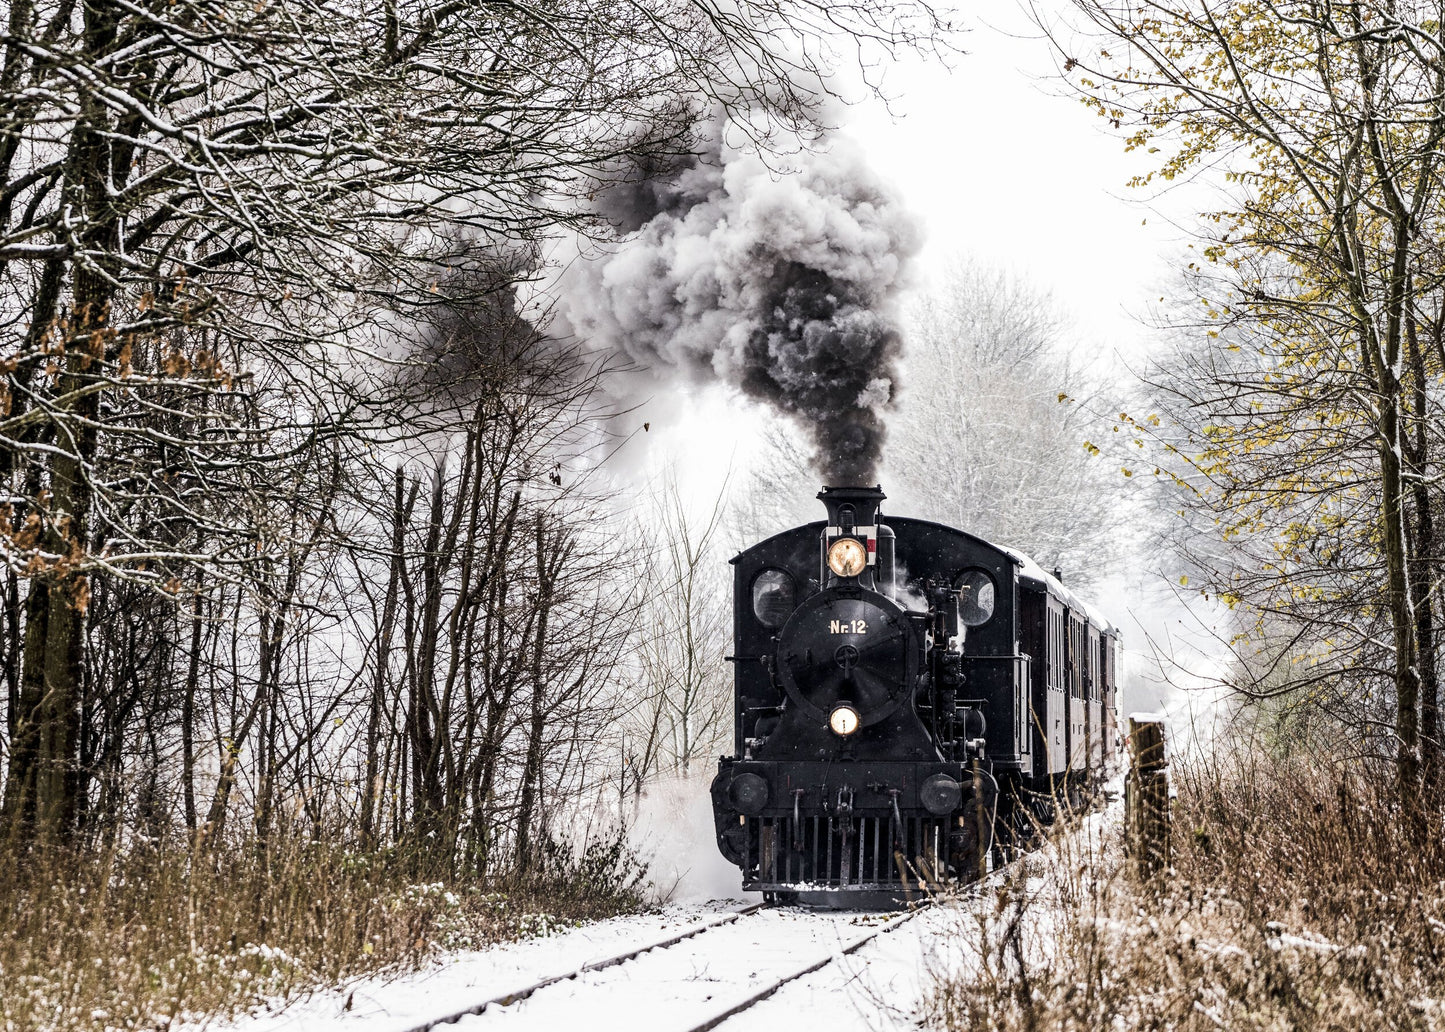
(683, 985)
(691, 983)
(880, 987)
(394, 1002)
(676, 987)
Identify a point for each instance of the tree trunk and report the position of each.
(422, 714)
(1422, 569)
(188, 715)
(97, 163)
(20, 785)
(401, 517)
(547, 571)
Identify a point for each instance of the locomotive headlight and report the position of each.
(847, 557)
(844, 720)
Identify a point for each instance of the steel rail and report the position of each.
(974, 890)
(817, 965)
(512, 997)
(754, 998)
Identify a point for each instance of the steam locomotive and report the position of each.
(910, 700)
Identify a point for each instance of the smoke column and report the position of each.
(781, 285)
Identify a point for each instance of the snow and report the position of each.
(672, 988)
(450, 983)
(879, 987)
(680, 987)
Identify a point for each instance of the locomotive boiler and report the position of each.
(909, 700)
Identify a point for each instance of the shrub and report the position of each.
(1299, 898)
(137, 939)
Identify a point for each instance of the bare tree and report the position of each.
(684, 704)
(217, 227)
(992, 435)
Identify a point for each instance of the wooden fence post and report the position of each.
(1146, 795)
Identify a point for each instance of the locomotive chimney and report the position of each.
(853, 512)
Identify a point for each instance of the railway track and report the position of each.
(758, 996)
(515, 996)
(691, 981)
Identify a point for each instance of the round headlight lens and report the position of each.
(847, 557)
(844, 720)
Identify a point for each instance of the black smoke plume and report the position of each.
(780, 283)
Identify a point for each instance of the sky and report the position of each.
(1008, 166)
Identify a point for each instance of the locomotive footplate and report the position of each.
(859, 825)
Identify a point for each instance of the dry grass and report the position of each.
(143, 940)
(1299, 899)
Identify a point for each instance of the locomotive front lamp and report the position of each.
(847, 557)
(844, 720)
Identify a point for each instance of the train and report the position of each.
(911, 703)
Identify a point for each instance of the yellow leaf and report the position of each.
(1184, 581)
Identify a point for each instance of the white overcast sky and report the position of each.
(1004, 165)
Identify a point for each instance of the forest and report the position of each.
(329, 616)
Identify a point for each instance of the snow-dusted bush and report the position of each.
(1298, 900)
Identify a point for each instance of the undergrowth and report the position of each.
(1300, 897)
(149, 938)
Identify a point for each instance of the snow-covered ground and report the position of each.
(674, 988)
(881, 986)
(452, 982)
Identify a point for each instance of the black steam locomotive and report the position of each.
(909, 700)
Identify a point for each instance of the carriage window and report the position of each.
(976, 597)
(772, 597)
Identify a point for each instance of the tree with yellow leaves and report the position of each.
(1325, 120)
